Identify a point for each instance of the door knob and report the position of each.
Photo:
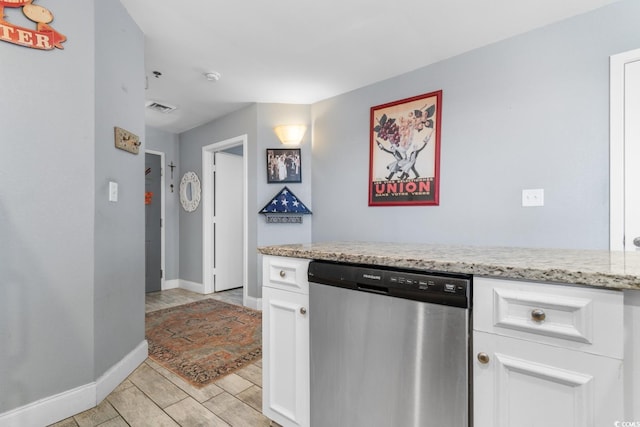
(483, 358)
(636, 242)
(303, 310)
(282, 273)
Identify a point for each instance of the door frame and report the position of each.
(162, 217)
(208, 152)
(616, 146)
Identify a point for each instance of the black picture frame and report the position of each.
(284, 165)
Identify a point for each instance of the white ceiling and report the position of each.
(303, 51)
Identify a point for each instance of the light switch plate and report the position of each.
(533, 197)
(113, 191)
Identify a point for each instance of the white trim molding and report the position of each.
(208, 152)
(120, 371)
(193, 286)
(171, 284)
(63, 405)
(616, 146)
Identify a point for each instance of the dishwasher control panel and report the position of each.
(441, 288)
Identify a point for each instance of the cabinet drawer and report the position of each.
(285, 273)
(579, 318)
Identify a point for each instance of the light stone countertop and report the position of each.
(617, 270)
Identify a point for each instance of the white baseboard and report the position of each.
(171, 284)
(120, 371)
(192, 286)
(63, 405)
(252, 302)
(51, 409)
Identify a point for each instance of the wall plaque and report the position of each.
(44, 37)
(126, 141)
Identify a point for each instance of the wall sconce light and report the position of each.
(290, 134)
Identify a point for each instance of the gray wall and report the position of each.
(191, 143)
(269, 116)
(119, 226)
(46, 212)
(167, 143)
(257, 121)
(528, 112)
(60, 324)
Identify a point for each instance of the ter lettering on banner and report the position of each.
(44, 37)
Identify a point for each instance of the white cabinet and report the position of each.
(285, 341)
(546, 355)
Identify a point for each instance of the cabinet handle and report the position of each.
(538, 315)
(303, 310)
(483, 358)
(282, 273)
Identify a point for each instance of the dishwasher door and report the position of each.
(380, 361)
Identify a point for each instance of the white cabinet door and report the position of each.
(285, 341)
(527, 384)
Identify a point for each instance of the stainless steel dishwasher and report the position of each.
(389, 347)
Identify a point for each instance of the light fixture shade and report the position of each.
(290, 134)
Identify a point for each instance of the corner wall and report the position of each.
(528, 112)
(47, 211)
(191, 143)
(119, 226)
(71, 264)
(257, 121)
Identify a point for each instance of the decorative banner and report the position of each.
(43, 37)
(404, 152)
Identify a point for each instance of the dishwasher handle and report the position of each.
(382, 290)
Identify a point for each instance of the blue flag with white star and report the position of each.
(285, 202)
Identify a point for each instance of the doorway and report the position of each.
(624, 175)
(154, 218)
(224, 158)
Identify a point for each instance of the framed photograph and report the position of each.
(404, 151)
(284, 165)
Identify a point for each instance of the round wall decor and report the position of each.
(190, 191)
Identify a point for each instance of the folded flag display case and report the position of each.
(285, 207)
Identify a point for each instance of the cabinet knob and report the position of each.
(282, 273)
(483, 358)
(538, 315)
(303, 310)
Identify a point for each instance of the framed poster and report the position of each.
(404, 151)
(284, 165)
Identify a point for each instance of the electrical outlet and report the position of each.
(533, 197)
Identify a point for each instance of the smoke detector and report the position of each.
(161, 108)
(212, 76)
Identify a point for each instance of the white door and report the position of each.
(228, 227)
(625, 151)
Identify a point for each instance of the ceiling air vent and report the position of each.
(161, 108)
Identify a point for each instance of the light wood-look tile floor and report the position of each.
(154, 396)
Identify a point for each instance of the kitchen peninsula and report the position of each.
(565, 322)
(618, 270)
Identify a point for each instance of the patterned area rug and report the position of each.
(204, 340)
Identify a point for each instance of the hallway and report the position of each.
(154, 396)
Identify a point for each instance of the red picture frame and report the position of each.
(404, 152)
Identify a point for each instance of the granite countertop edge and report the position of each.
(586, 268)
